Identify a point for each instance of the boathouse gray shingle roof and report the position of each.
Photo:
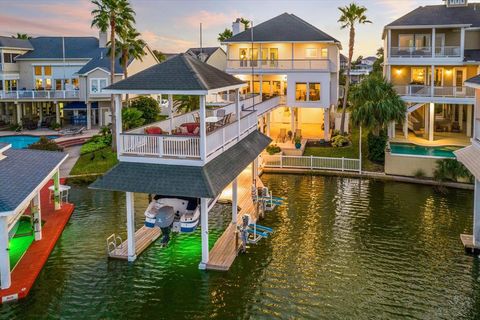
(283, 28)
(22, 171)
(187, 181)
(180, 73)
(440, 15)
(474, 80)
(9, 42)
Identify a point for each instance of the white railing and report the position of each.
(160, 145)
(425, 52)
(39, 94)
(426, 91)
(477, 129)
(281, 64)
(311, 163)
(267, 105)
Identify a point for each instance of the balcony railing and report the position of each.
(426, 91)
(38, 94)
(283, 64)
(425, 52)
(477, 129)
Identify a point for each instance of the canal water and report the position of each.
(342, 249)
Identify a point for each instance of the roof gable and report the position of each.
(283, 28)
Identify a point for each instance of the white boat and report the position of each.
(181, 214)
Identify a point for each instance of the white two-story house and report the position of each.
(44, 80)
(288, 57)
(429, 53)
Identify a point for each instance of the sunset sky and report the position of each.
(173, 26)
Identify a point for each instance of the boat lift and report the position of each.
(266, 200)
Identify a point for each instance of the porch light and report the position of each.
(448, 72)
(398, 72)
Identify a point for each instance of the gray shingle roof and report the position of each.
(22, 171)
(180, 73)
(474, 80)
(441, 15)
(208, 51)
(9, 42)
(52, 48)
(102, 61)
(285, 27)
(186, 181)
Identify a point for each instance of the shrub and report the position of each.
(55, 125)
(452, 170)
(272, 149)
(45, 144)
(340, 141)
(15, 127)
(149, 108)
(376, 147)
(132, 118)
(105, 130)
(335, 133)
(96, 143)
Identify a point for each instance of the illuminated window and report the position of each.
(38, 70)
(301, 91)
(418, 76)
(96, 85)
(39, 83)
(324, 53)
(307, 91)
(314, 91)
(311, 53)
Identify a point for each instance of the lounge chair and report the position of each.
(72, 131)
(196, 117)
(225, 120)
(282, 135)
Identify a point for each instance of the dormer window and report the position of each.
(456, 3)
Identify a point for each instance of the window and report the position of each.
(405, 40)
(47, 70)
(96, 85)
(418, 76)
(311, 53)
(314, 91)
(307, 91)
(242, 54)
(75, 83)
(58, 84)
(301, 91)
(38, 70)
(39, 84)
(324, 53)
(9, 57)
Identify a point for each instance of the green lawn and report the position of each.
(347, 152)
(97, 162)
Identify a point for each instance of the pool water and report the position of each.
(412, 149)
(342, 248)
(22, 141)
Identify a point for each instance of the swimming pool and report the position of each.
(415, 150)
(22, 141)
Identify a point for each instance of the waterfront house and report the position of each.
(292, 61)
(47, 80)
(429, 53)
(214, 56)
(196, 154)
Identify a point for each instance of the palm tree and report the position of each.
(376, 104)
(22, 36)
(160, 55)
(128, 46)
(350, 16)
(226, 34)
(185, 104)
(119, 16)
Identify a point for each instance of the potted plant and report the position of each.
(298, 142)
(273, 149)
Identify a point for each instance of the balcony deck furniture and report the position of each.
(154, 130)
(72, 131)
(189, 129)
(220, 113)
(196, 117)
(298, 134)
(282, 136)
(212, 122)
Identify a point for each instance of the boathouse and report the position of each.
(198, 154)
(32, 215)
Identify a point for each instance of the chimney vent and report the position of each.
(237, 26)
(102, 39)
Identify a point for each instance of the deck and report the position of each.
(144, 237)
(226, 248)
(467, 241)
(26, 271)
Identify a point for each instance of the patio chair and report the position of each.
(456, 127)
(196, 117)
(220, 113)
(72, 131)
(282, 135)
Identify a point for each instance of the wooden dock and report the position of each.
(144, 237)
(226, 248)
(467, 241)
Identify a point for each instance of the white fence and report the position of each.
(160, 146)
(426, 91)
(39, 94)
(311, 163)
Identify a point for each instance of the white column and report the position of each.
(40, 111)
(292, 119)
(469, 120)
(433, 42)
(89, 115)
(238, 112)
(425, 118)
(326, 124)
(170, 113)
(131, 252)
(204, 225)
(462, 42)
(57, 112)
(460, 116)
(56, 190)
(4, 255)
(431, 122)
(234, 200)
(405, 126)
(118, 121)
(37, 217)
(19, 113)
(432, 80)
(100, 115)
(389, 43)
(476, 214)
(261, 86)
(268, 123)
(203, 130)
(94, 116)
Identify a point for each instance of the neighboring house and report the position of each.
(361, 70)
(470, 157)
(291, 58)
(59, 79)
(429, 53)
(343, 62)
(214, 56)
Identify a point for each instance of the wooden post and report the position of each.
(37, 217)
(56, 190)
(131, 252)
(4, 255)
(203, 130)
(204, 225)
(234, 201)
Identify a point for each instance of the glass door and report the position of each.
(459, 79)
(440, 44)
(273, 57)
(253, 57)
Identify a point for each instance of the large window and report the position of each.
(311, 53)
(418, 41)
(43, 77)
(324, 53)
(9, 57)
(418, 76)
(97, 84)
(307, 91)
